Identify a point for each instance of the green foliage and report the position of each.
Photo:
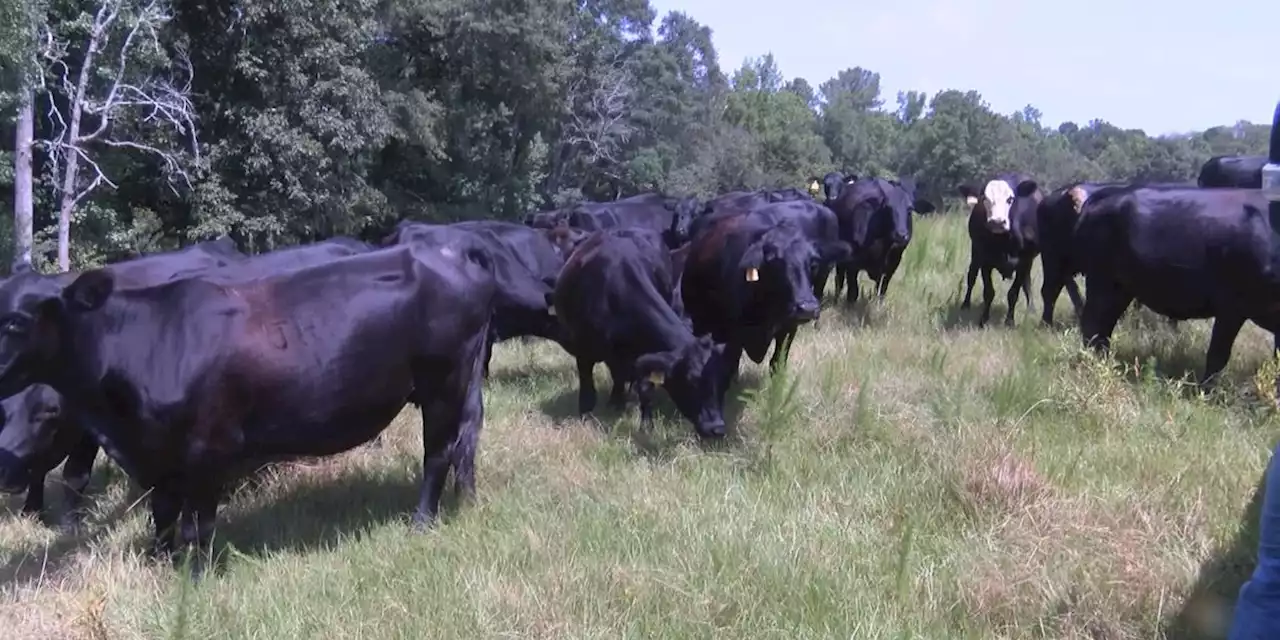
(319, 117)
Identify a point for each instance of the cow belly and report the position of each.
(321, 432)
(1178, 294)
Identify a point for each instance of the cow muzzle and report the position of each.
(711, 428)
(805, 311)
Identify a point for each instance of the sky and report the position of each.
(1162, 66)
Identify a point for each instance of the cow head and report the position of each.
(685, 210)
(901, 200)
(565, 239)
(776, 266)
(692, 375)
(833, 184)
(35, 317)
(30, 430)
(997, 201)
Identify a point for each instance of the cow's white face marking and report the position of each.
(998, 198)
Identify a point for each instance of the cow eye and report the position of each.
(1009, 201)
(14, 326)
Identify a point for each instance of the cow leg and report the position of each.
(452, 418)
(1073, 292)
(851, 296)
(622, 374)
(820, 276)
(1020, 285)
(1221, 340)
(34, 503)
(166, 506)
(586, 385)
(199, 516)
(988, 297)
(1050, 289)
(970, 278)
(1102, 310)
(1025, 264)
(76, 472)
(840, 276)
(732, 360)
(781, 348)
(488, 353)
(890, 267)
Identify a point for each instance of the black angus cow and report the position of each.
(1242, 172)
(739, 200)
(818, 223)
(747, 282)
(1002, 237)
(874, 217)
(191, 383)
(831, 184)
(671, 217)
(615, 299)
(525, 265)
(66, 441)
(1182, 252)
(1056, 218)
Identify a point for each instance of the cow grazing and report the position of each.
(875, 219)
(615, 299)
(1002, 237)
(40, 408)
(1182, 252)
(1242, 172)
(190, 383)
(747, 282)
(525, 266)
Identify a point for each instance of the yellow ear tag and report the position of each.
(753, 274)
(551, 310)
(656, 377)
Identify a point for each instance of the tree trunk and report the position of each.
(23, 203)
(69, 191)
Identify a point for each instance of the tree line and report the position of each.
(155, 123)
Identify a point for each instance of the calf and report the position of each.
(614, 298)
(875, 219)
(1003, 238)
(1184, 253)
(747, 282)
(191, 383)
(1242, 172)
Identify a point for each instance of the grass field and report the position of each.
(928, 479)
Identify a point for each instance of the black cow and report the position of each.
(831, 184)
(740, 200)
(1243, 172)
(525, 265)
(747, 282)
(1003, 238)
(1056, 218)
(66, 441)
(39, 407)
(614, 298)
(190, 383)
(875, 219)
(1184, 253)
(669, 216)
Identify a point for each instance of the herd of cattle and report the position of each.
(193, 367)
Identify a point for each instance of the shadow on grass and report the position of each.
(670, 429)
(38, 563)
(1206, 613)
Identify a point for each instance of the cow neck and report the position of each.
(655, 317)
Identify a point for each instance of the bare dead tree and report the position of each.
(598, 121)
(127, 33)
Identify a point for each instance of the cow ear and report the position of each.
(851, 178)
(752, 258)
(834, 251)
(967, 191)
(654, 367)
(923, 206)
(89, 291)
(1026, 188)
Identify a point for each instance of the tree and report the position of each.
(17, 65)
(118, 91)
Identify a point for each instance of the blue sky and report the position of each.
(1164, 67)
